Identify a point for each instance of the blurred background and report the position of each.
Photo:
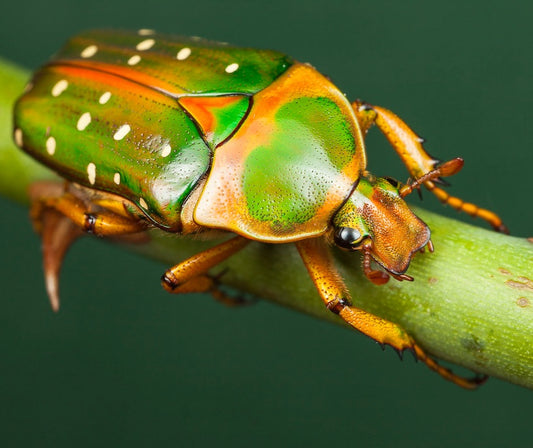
(125, 364)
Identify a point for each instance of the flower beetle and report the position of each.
(197, 137)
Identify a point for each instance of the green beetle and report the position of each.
(193, 137)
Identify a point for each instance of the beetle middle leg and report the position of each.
(409, 147)
(191, 275)
(333, 291)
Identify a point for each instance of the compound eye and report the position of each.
(347, 237)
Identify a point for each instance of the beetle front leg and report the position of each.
(409, 147)
(333, 291)
(191, 275)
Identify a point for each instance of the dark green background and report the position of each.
(124, 364)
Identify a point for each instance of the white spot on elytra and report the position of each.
(18, 137)
(165, 151)
(104, 98)
(84, 121)
(183, 54)
(51, 145)
(143, 203)
(232, 68)
(146, 32)
(59, 87)
(91, 173)
(116, 178)
(134, 60)
(122, 132)
(145, 44)
(89, 51)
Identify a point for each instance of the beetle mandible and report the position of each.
(197, 137)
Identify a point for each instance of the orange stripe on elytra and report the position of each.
(125, 73)
(110, 80)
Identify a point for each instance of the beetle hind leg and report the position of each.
(61, 216)
(192, 275)
(57, 235)
(333, 292)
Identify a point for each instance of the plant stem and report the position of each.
(470, 303)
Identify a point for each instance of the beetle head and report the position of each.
(377, 221)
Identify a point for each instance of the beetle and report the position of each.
(198, 137)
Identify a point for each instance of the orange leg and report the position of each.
(61, 214)
(333, 292)
(409, 147)
(57, 235)
(90, 218)
(191, 275)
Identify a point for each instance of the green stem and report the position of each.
(470, 303)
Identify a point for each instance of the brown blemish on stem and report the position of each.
(432, 280)
(522, 302)
(522, 283)
(505, 271)
(530, 239)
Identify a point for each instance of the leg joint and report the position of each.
(169, 281)
(89, 222)
(338, 304)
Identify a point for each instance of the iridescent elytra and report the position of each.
(199, 137)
